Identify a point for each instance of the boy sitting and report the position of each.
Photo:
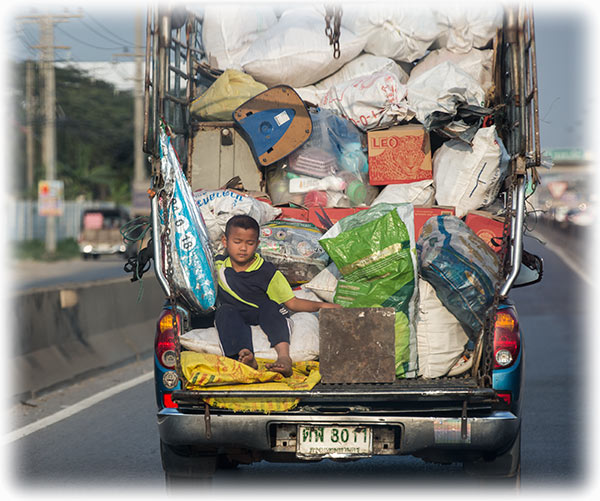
(253, 292)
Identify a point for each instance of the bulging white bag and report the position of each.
(401, 32)
(304, 339)
(417, 193)
(441, 339)
(325, 283)
(442, 88)
(469, 177)
(475, 62)
(369, 101)
(296, 52)
(229, 30)
(468, 26)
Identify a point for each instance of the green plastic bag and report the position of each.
(375, 252)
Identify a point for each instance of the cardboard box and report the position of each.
(399, 155)
(422, 214)
(333, 213)
(486, 227)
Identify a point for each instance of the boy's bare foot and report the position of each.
(247, 357)
(282, 365)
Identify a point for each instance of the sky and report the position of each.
(564, 37)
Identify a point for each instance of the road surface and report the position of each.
(110, 445)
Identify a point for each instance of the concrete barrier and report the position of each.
(64, 333)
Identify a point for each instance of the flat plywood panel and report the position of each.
(356, 345)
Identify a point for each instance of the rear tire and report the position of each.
(184, 466)
(505, 468)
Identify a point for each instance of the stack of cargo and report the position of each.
(403, 118)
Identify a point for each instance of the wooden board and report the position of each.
(357, 345)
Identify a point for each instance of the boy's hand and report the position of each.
(298, 304)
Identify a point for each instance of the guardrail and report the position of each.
(68, 332)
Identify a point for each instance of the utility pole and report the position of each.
(140, 184)
(47, 48)
(29, 114)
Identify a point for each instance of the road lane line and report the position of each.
(565, 259)
(75, 408)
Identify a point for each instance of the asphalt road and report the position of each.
(111, 447)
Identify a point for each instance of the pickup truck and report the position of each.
(473, 419)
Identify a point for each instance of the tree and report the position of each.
(94, 136)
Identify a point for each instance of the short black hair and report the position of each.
(242, 221)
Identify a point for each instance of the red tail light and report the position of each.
(164, 346)
(168, 401)
(507, 339)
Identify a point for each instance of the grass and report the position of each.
(36, 250)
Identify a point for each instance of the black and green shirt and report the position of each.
(257, 284)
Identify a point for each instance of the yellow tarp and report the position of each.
(205, 371)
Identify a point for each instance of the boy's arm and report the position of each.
(298, 304)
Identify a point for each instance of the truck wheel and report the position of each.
(184, 466)
(505, 467)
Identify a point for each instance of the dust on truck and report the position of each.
(472, 417)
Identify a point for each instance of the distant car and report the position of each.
(101, 232)
(584, 215)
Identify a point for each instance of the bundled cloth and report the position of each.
(374, 250)
(462, 269)
(193, 272)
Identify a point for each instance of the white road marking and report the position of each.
(75, 408)
(585, 276)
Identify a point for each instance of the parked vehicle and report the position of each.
(100, 232)
(473, 419)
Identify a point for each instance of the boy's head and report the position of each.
(241, 239)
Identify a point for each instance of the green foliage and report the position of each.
(94, 137)
(36, 250)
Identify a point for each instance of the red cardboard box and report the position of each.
(398, 155)
(422, 214)
(486, 227)
(333, 213)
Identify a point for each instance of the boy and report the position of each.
(253, 292)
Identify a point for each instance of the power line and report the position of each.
(85, 43)
(128, 43)
(102, 35)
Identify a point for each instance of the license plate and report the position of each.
(334, 441)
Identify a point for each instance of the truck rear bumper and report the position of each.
(413, 434)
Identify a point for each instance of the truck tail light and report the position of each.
(164, 345)
(507, 339)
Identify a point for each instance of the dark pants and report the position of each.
(234, 324)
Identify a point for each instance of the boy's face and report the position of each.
(241, 245)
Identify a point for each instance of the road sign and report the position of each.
(50, 198)
(557, 188)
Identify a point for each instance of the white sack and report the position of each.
(470, 177)
(369, 101)
(304, 339)
(467, 26)
(403, 33)
(363, 65)
(218, 206)
(441, 339)
(229, 30)
(296, 51)
(477, 63)
(417, 193)
(325, 283)
(443, 88)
